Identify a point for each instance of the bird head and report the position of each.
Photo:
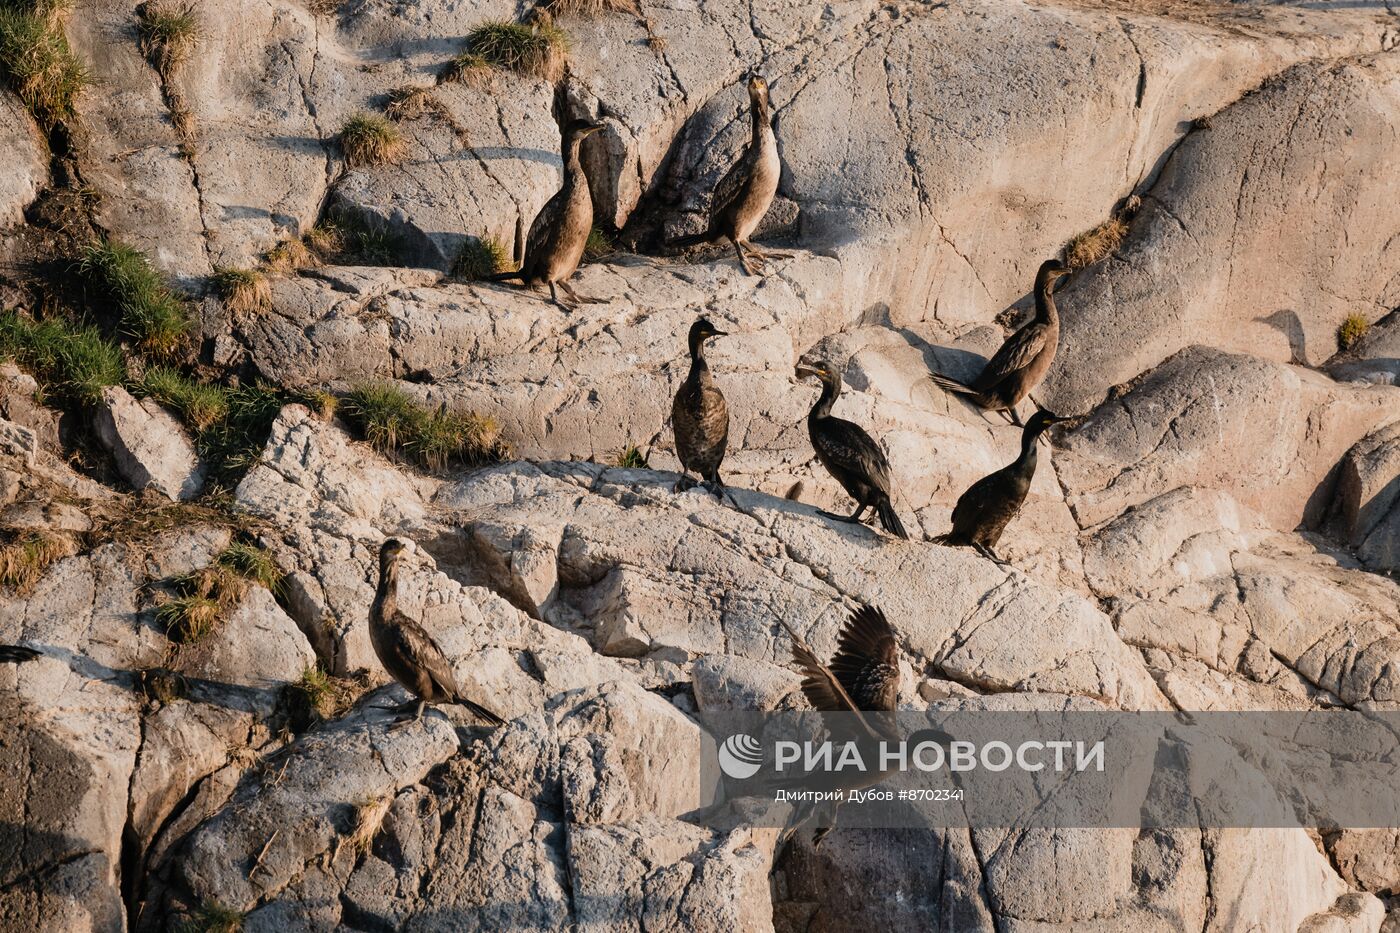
(578, 129)
(819, 368)
(1050, 270)
(1040, 421)
(390, 551)
(702, 330)
(758, 86)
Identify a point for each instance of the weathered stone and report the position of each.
(149, 444)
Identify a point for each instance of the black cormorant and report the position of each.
(700, 415)
(17, 654)
(560, 230)
(408, 652)
(743, 195)
(849, 454)
(989, 504)
(1023, 359)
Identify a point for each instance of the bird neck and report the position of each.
(1045, 310)
(387, 594)
(1027, 461)
(697, 352)
(759, 112)
(573, 162)
(830, 389)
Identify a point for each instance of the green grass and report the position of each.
(168, 34)
(587, 7)
(201, 405)
(539, 51)
(467, 68)
(27, 555)
(37, 62)
(348, 239)
(369, 139)
(631, 458)
(214, 917)
(599, 244)
(1351, 331)
(243, 290)
(481, 258)
(151, 314)
(391, 421)
(188, 618)
(70, 363)
(253, 564)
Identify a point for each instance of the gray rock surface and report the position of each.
(22, 154)
(149, 444)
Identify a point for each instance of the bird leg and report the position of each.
(684, 483)
(766, 253)
(554, 297)
(579, 299)
(987, 552)
(853, 518)
(720, 491)
(403, 718)
(1013, 416)
(752, 264)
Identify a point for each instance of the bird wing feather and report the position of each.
(1015, 354)
(543, 227)
(820, 685)
(867, 660)
(414, 642)
(847, 444)
(732, 184)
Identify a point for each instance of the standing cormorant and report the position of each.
(743, 195)
(1023, 359)
(849, 454)
(408, 652)
(700, 415)
(982, 513)
(560, 230)
(17, 654)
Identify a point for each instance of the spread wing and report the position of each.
(846, 443)
(867, 660)
(1015, 354)
(543, 227)
(732, 184)
(414, 644)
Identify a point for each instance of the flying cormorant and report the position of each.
(561, 228)
(17, 654)
(1023, 359)
(700, 415)
(408, 652)
(982, 513)
(849, 454)
(743, 195)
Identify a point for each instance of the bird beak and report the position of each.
(718, 333)
(593, 128)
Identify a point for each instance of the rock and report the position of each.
(1376, 358)
(22, 154)
(1266, 433)
(18, 394)
(1214, 248)
(19, 442)
(1366, 509)
(149, 444)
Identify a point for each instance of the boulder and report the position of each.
(22, 152)
(149, 444)
(1365, 512)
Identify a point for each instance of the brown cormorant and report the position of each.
(408, 652)
(989, 504)
(849, 454)
(560, 230)
(700, 415)
(1023, 359)
(17, 654)
(743, 195)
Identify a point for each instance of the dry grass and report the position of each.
(481, 258)
(365, 821)
(188, 618)
(24, 560)
(168, 34)
(539, 50)
(412, 102)
(214, 917)
(469, 69)
(1089, 247)
(587, 7)
(244, 291)
(289, 256)
(37, 61)
(319, 697)
(369, 139)
(1351, 331)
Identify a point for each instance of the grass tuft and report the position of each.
(150, 312)
(539, 50)
(289, 256)
(369, 139)
(243, 291)
(1351, 331)
(480, 258)
(411, 102)
(631, 458)
(37, 62)
(168, 34)
(468, 68)
(253, 564)
(588, 7)
(1089, 247)
(391, 421)
(188, 618)
(201, 405)
(348, 239)
(599, 244)
(319, 697)
(214, 917)
(25, 558)
(72, 364)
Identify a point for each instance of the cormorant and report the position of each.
(561, 228)
(849, 454)
(1023, 359)
(743, 195)
(17, 654)
(700, 415)
(408, 652)
(982, 513)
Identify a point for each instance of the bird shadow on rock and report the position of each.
(1287, 322)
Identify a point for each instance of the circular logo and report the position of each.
(740, 756)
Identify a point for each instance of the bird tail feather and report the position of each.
(943, 538)
(890, 520)
(694, 239)
(16, 654)
(951, 384)
(506, 276)
(480, 711)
